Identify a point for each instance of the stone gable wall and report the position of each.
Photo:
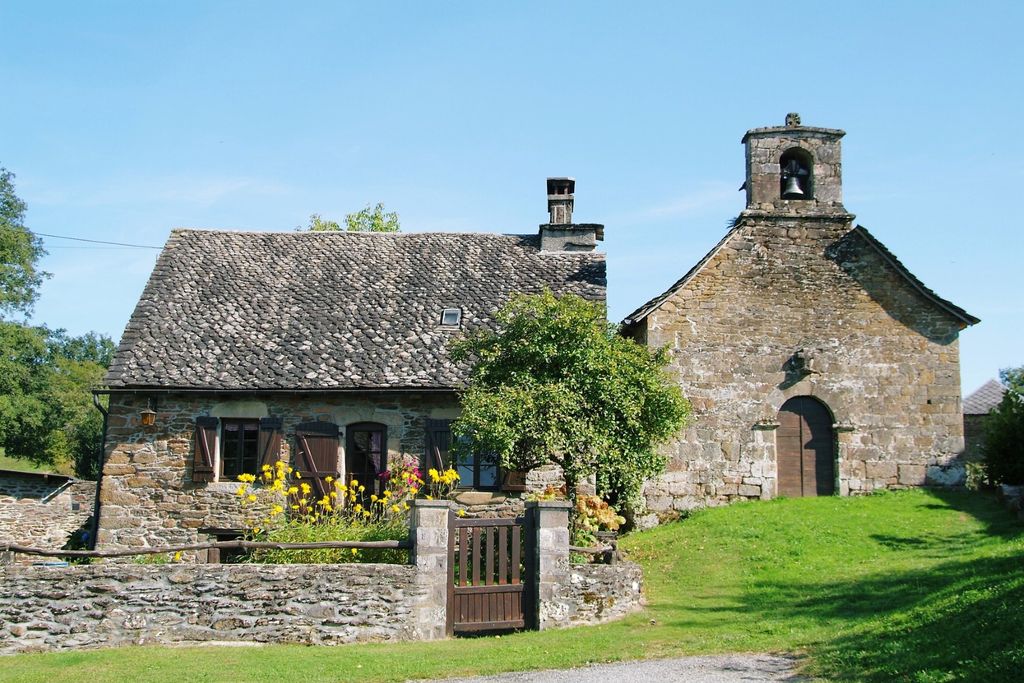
(886, 363)
(148, 497)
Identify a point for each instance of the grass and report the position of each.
(20, 464)
(910, 586)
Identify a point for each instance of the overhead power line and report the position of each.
(82, 239)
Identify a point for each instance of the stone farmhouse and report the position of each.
(324, 349)
(815, 361)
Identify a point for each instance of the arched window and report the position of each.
(366, 454)
(796, 174)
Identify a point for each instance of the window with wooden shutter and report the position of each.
(438, 440)
(366, 455)
(270, 440)
(239, 447)
(476, 470)
(203, 455)
(316, 455)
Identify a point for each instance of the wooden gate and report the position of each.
(491, 583)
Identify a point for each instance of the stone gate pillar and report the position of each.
(551, 550)
(429, 535)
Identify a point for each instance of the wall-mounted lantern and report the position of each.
(148, 414)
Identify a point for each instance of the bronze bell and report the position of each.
(793, 189)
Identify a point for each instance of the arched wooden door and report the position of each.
(805, 447)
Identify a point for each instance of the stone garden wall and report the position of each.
(45, 608)
(109, 605)
(602, 592)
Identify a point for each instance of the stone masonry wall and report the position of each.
(109, 605)
(148, 497)
(886, 363)
(602, 592)
(41, 512)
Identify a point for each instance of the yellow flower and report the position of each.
(373, 498)
(355, 551)
(241, 491)
(295, 507)
(461, 513)
(430, 497)
(361, 489)
(357, 508)
(414, 490)
(298, 475)
(334, 494)
(177, 556)
(266, 468)
(328, 479)
(405, 506)
(292, 490)
(341, 487)
(290, 470)
(366, 513)
(252, 498)
(276, 510)
(302, 501)
(387, 492)
(354, 483)
(306, 488)
(395, 508)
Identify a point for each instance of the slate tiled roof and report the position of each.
(328, 311)
(948, 306)
(987, 397)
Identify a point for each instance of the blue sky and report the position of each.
(123, 120)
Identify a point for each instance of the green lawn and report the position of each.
(20, 464)
(911, 586)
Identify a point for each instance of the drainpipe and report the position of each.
(100, 456)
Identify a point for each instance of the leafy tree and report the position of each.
(558, 384)
(370, 219)
(20, 252)
(1004, 432)
(46, 410)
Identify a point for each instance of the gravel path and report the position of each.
(740, 668)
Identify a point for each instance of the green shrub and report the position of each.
(1004, 440)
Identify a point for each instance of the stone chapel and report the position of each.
(816, 363)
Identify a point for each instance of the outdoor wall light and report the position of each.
(148, 414)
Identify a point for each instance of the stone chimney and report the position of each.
(560, 233)
(560, 200)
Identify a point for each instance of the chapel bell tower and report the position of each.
(794, 169)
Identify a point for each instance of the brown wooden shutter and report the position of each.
(204, 455)
(316, 454)
(438, 442)
(270, 440)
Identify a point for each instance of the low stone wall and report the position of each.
(602, 592)
(107, 605)
(119, 603)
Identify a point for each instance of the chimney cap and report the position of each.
(561, 185)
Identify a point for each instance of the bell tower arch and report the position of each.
(794, 169)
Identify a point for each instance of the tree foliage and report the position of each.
(1004, 432)
(369, 219)
(558, 384)
(46, 376)
(46, 410)
(20, 252)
